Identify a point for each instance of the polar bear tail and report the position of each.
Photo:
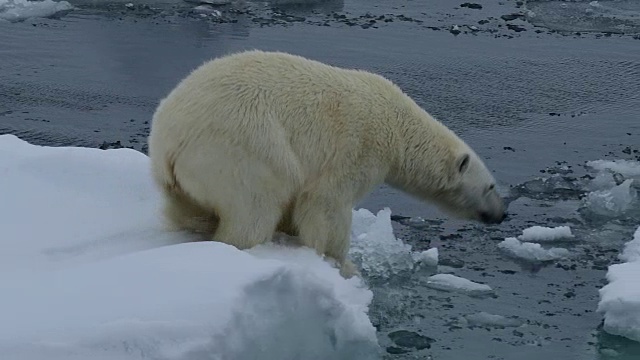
(181, 211)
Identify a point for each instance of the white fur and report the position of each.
(258, 142)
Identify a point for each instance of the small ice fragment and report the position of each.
(483, 319)
(531, 251)
(427, 257)
(211, 2)
(449, 282)
(543, 233)
(129, 5)
(612, 202)
(444, 269)
(207, 9)
(594, 4)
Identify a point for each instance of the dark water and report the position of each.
(526, 100)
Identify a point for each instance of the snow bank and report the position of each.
(531, 251)
(545, 234)
(87, 272)
(620, 298)
(18, 10)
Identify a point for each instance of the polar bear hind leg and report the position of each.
(183, 213)
(247, 195)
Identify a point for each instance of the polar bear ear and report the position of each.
(463, 163)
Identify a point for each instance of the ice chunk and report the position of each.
(427, 257)
(531, 251)
(18, 10)
(543, 234)
(88, 272)
(601, 181)
(627, 168)
(375, 249)
(449, 282)
(612, 202)
(620, 298)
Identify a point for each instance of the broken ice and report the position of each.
(487, 320)
(544, 234)
(449, 282)
(531, 251)
(612, 202)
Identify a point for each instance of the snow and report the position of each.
(88, 272)
(545, 234)
(449, 282)
(620, 298)
(531, 251)
(18, 10)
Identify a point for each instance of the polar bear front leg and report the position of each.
(324, 223)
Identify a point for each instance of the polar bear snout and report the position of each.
(494, 210)
(489, 218)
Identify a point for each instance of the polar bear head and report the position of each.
(471, 192)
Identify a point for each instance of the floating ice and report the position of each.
(377, 252)
(620, 298)
(427, 257)
(449, 282)
(484, 319)
(601, 181)
(612, 202)
(531, 251)
(88, 272)
(627, 168)
(545, 234)
(556, 187)
(19, 10)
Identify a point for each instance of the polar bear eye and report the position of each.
(492, 186)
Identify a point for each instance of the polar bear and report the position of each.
(254, 143)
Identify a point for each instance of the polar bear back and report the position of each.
(308, 112)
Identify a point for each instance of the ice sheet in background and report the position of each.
(87, 272)
(19, 10)
(620, 298)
